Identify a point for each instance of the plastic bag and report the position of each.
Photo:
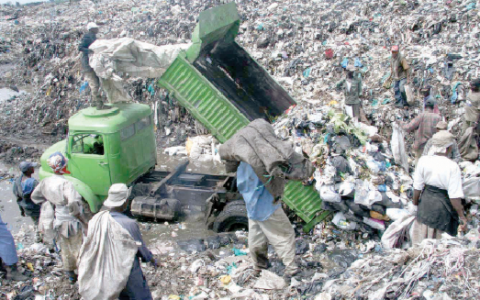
(346, 187)
(373, 166)
(328, 193)
(361, 192)
(409, 93)
(398, 147)
(341, 222)
(366, 194)
(395, 234)
(397, 213)
(374, 223)
(471, 188)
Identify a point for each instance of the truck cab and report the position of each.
(107, 146)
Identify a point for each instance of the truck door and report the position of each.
(88, 161)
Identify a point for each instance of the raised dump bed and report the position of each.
(224, 88)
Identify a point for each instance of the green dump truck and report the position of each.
(224, 88)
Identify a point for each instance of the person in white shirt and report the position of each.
(438, 192)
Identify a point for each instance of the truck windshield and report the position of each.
(88, 144)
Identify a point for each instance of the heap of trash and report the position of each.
(304, 45)
(333, 266)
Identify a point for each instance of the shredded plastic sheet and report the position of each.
(126, 55)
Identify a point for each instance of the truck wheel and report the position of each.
(233, 217)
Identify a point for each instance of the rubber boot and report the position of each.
(14, 274)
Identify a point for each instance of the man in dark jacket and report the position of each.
(352, 88)
(22, 189)
(116, 203)
(90, 76)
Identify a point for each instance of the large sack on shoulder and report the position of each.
(105, 259)
(467, 145)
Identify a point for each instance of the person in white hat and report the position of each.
(89, 73)
(116, 203)
(438, 192)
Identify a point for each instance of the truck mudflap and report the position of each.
(224, 88)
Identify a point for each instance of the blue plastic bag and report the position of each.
(83, 86)
(358, 63)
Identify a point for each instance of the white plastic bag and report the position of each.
(396, 230)
(397, 213)
(409, 94)
(365, 194)
(341, 222)
(328, 194)
(347, 186)
(398, 147)
(376, 224)
(471, 188)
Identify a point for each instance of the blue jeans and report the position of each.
(399, 89)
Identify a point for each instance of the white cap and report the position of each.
(117, 195)
(91, 25)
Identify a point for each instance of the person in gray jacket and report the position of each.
(352, 89)
(116, 203)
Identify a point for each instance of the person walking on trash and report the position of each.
(264, 163)
(400, 73)
(267, 223)
(424, 127)
(8, 254)
(454, 154)
(109, 265)
(352, 88)
(472, 106)
(69, 216)
(438, 192)
(89, 73)
(23, 187)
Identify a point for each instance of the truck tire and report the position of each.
(232, 217)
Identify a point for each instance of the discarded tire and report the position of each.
(233, 217)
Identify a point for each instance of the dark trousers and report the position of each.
(400, 96)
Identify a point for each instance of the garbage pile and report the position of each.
(437, 269)
(11, 152)
(305, 45)
(43, 267)
(42, 45)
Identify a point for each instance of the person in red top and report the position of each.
(424, 126)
